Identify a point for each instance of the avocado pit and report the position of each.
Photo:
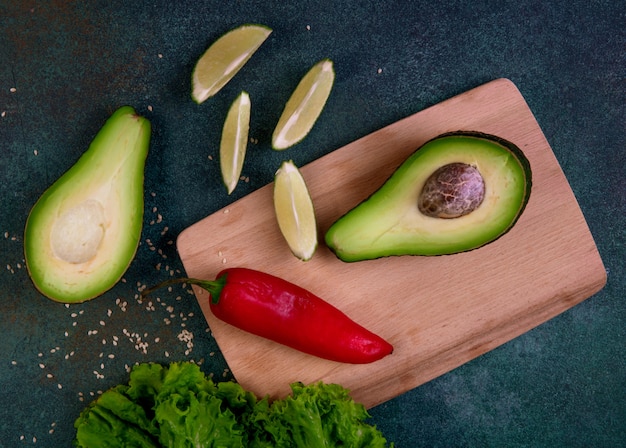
(452, 191)
(76, 235)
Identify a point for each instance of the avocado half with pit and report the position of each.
(83, 232)
(457, 192)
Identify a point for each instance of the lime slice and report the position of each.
(294, 211)
(304, 106)
(223, 59)
(235, 140)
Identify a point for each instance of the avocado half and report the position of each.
(83, 232)
(492, 182)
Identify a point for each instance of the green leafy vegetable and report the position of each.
(178, 406)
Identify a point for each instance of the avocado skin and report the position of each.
(111, 171)
(348, 236)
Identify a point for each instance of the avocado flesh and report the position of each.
(389, 222)
(83, 232)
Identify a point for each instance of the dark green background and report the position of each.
(72, 63)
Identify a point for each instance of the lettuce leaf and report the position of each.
(317, 416)
(178, 406)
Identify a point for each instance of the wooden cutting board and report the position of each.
(438, 312)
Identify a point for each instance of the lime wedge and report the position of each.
(294, 211)
(304, 106)
(235, 140)
(223, 59)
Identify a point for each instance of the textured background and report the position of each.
(65, 66)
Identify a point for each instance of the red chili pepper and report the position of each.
(276, 309)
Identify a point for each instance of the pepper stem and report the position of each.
(214, 287)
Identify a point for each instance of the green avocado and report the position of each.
(83, 232)
(457, 192)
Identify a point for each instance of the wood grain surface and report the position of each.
(438, 312)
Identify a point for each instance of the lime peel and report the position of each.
(224, 58)
(304, 106)
(294, 211)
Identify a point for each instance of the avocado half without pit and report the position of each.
(83, 232)
(457, 192)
